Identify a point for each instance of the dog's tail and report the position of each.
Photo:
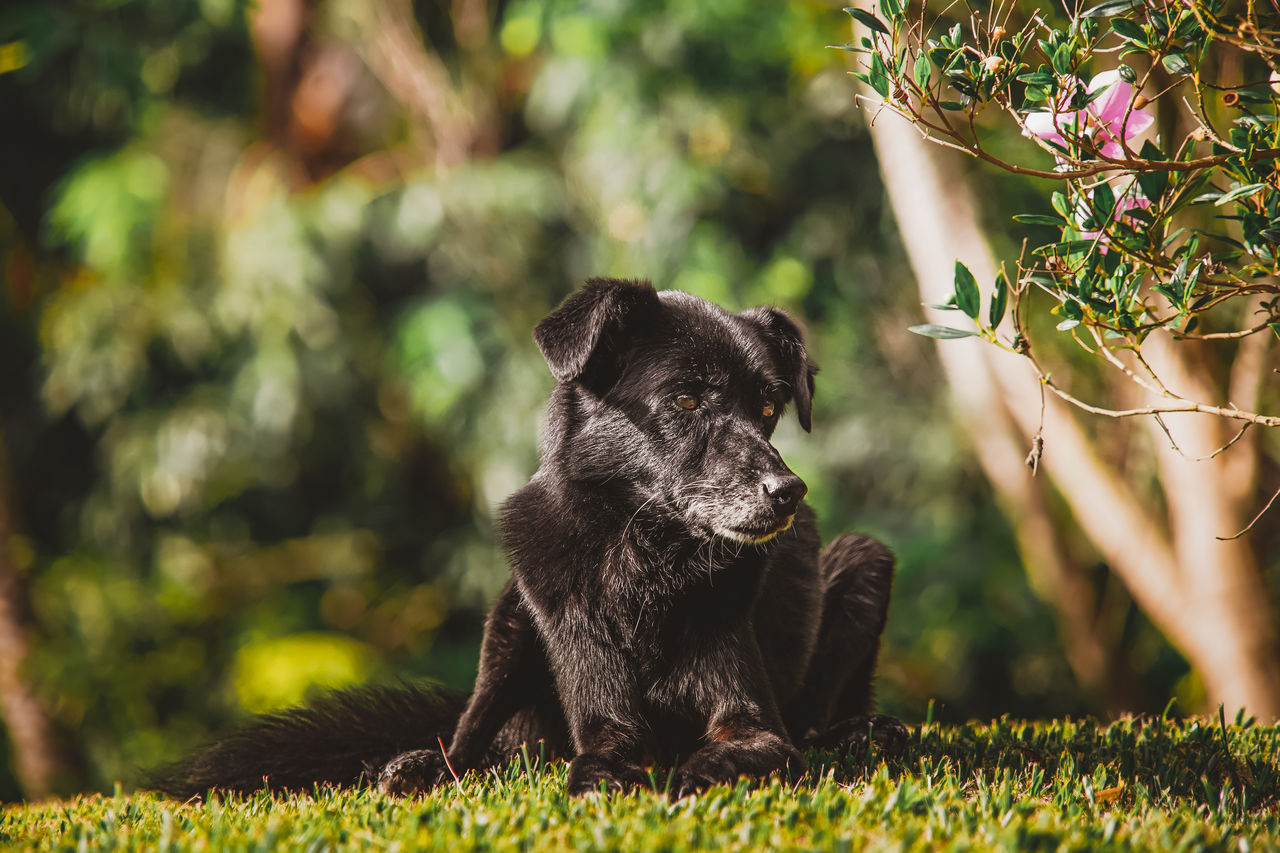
(339, 739)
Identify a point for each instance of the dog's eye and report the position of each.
(687, 401)
(767, 411)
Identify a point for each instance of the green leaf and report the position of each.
(1243, 191)
(923, 69)
(1252, 227)
(1111, 7)
(933, 330)
(1060, 204)
(1138, 214)
(1035, 94)
(1175, 288)
(1042, 79)
(867, 19)
(1189, 190)
(1255, 94)
(1103, 202)
(1189, 288)
(1064, 248)
(967, 296)
(953, 106)
(1129, 30)
(1188, 27)
(878, 76)
(1260, 120)
(892, 9)
(1062, 59)
(1152, 184)
(1177, 63)
(1190, 247)
(1038, 219)
(999, 300)
(963, 85)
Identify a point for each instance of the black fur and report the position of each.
(338, 739)
(667, 598)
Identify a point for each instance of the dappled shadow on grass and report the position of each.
(1139, 762)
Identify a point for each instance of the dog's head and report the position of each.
(676, 399)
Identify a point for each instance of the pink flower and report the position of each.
(1105, 120)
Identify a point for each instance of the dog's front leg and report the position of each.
(596, 683)
(510, 666)
(745, 735)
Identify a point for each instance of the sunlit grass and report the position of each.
(1136, 784)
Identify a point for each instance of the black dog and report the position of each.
(667, 598)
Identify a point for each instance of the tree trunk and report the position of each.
(1206, 596)
(938, 224)
(38, 759)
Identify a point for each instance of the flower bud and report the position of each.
(997, 34)
(994, 64)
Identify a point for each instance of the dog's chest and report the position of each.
(682, 591)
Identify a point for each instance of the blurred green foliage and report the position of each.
(258, 427)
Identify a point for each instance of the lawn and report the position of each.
(1151, 784)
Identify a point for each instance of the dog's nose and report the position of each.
(785, 491)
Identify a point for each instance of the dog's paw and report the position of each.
(851, 734)
(409, 772)
(723, 764)
(704, 769)
(588, 772)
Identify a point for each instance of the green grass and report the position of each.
(1136, 784)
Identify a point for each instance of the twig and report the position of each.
(1164, 389)
(1223, 336)
(1133, 164)
(1180, 404)
(448, 763)
(1157, 388)
(1239, 435)
(1248, 526)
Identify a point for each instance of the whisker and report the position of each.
(634, 514)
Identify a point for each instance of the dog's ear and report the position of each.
(585, 332)
(787, 342)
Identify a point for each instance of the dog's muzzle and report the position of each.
(754, 536)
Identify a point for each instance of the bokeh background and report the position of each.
(269, 276)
